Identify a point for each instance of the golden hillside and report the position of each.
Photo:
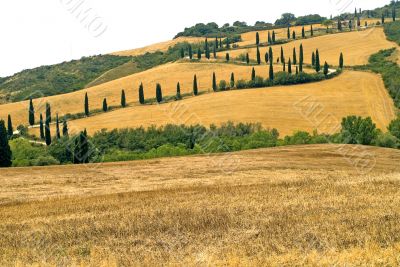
(304, 107)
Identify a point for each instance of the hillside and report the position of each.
(284, 108)
(283, 206)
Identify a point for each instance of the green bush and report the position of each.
(387, 140)
(222, 85)
(357, 130)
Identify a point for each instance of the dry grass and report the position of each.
(167, 75)
(163, 46)
(305, 107)
(287, 206)
(356, 47)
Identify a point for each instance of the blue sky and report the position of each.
(36, 33)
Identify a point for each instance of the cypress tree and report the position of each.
(58, 135)
(220, 42)
(394, 12)
(294, 35)
(303, 33)
(271, 71)
(269, 38)
(297, 70)
(247, 58)
(190, 52)
(10, 130)
(290, 66)
(288, 33)
(253, 74)
(178, 91)
(301, 58)
(284, 64)
(85, 147)
(383, 19)
(207, 49)
(282, 55)
(41, 128)
(341, 61)
(31, 113)
(227, 57)
(123, 99)
(47, 134)
(198, 54)
(339, 24)
(216, 43)
(77, 157)
(271, 55)
(105, 106)
(159, 96)
(257, 39)
(65, 128)
(215, 52)
(313, 59)
(228, 43)
(214, 83)
(326, 68)
(317, 62)
(294, 56)
(273, 37)
(232, 80)
(5, 151)
(86, 105)
(258, 56)
(266, 57)
(350, 25)
(182, 53)
(141, 94)
(312, 30)
(195, 89)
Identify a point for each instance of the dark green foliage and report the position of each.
(227, 57)
(285, 19)
(288, 33)
(198, 53)
(81, 151)
(10, 130)
(190, 52)
(290, 66)
(216, 44)
(31, 112)
(47, 133)
(182, 53)
(383, 19)
(232, 82)
(303, 33)
(207, 49)
(58, 134)
(258, 56)
(394, 13)
(141, 94)
(317, 62)
(65, 129)
(294, 56)
(59, 79)
(105, 106)
(222, 85)
(195, 88)
(257, 39)
(271, 71)
(312, 30)
(271, 55)
(339, 25)
(294, 35)
(253, 74)
(301, 58)
(86, 105)
(341, 61)
(266, 57)
(284, 64)
(247, 58)
(215, 52)
(178, 91)
(228, 43)
(273, 37)
(392, 31)
(41, 128)
(357, 130)
(159, 96)
(350, 25)
(214, 82)
(269, 38)
(282, 55)
(313, 59)
(297, 70)
(310, 19)
(5, 151)
(123, 99)
(326, 68)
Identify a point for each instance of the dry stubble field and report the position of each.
(305, 205)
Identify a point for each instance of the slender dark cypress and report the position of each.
(65, 128)
(301, 58)
(41, 128)
(271, 71)
(266, 57)
(141, 94)
(253, 74)
(10, 130)
(123, 99)
(227, 57)
(178, 91)
(247, 58)
(5, 151)
(159, 96)
(271, 55)
(290, 66)
(58, 134)
(190, 52)
(294, 56)
(31, 113)
(317, 62)
(47, 133)
(258, 56)
(257, 39)
(87, 113)
(232, 80)
(195, 89)
(105, 106)
(341, 63)
(214, 83)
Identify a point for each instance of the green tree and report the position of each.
(178, 91)
(48, 112)
(357, 130)
(141, 94)
(350, 25)
(301, 58)
(266, 57)
(65, 128)
(58, 134)
(284, 64)
(232, 80)
(294, 56)
(198, 53)
(228, 43)
(341, 62)
(216, 43)
(227, 57)
(214, 83)
(271, 71)
(257, 39)
(303, 33)
(317, 62)
(258, 56)
(312, 30)
(123, 99)
(47, 133)
(294, 35)
(105, 106)
(215, 52)
(269, 38)
(282, 55)
(253, 74)
(271, 55)
(86, 105)
(207, 49)
(273, 37)
(182, 53)
(195, 88)
(41, 128)
(297, 70)
(159, 96)
(10, 130)
(394, 127)
(383, 19)
(247, 58)
(339, 26)
(394, 12)
(326, 69)
(5, 151)
(31, 113)
(313, 59)
(288, 33)
(290, 66)
(190, 52)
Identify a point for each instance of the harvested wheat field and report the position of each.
(304, 205)
(163, 46)
(167, 75)
(356, 46)
(304, 107)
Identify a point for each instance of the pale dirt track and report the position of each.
(305, 107)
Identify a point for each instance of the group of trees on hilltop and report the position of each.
(288, 19)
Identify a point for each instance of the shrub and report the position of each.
(241, 84)
(387, 140)
(222, 85)
(357, 130)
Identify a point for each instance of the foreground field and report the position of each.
(305, 107)
(305, 205)
(167, 75)
(356, 46)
